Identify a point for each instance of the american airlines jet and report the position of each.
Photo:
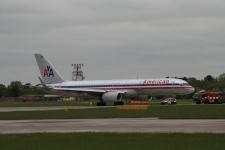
(112, 90)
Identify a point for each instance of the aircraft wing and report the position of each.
(87, 90)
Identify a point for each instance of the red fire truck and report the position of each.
(209, 98)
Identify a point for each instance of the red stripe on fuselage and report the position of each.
(146, 88)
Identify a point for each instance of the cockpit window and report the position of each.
(185, 84)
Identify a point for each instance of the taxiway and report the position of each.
(118, 125)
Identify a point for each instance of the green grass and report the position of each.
(164, 112)
(112, 141)
(46, 103)
(75, 103)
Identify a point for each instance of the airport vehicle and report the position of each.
(112, 90)
(169, 101)
(209, 97)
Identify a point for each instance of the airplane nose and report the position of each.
(191, 90)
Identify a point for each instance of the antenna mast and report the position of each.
(77, 74)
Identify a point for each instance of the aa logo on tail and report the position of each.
(48, 72)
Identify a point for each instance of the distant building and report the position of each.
(26, 98)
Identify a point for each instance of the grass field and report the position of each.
(164, 112)
(112, 141)
(75, 103)
(46, 103)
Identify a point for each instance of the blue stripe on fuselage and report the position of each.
(121, 85)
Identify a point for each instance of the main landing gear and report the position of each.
(118, 103)
(102, 103)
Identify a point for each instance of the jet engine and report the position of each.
(112, 96)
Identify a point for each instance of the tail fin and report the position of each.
(41, 81)
(48, 73)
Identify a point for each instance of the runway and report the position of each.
(11, 109)
(125, 125)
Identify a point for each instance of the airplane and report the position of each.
(112, 90)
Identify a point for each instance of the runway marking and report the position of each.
(118, 125)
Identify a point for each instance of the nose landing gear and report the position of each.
(101, 103)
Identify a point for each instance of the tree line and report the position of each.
(209, 83)
(17, 88)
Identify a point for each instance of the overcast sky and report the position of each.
(115, 39)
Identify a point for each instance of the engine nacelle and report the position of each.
(112, 96)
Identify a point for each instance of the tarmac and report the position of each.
(117, 125)
(11, 109)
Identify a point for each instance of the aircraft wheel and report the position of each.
(118, 103)
(101, 103)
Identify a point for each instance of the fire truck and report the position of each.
(209, 97)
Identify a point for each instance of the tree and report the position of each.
(192, 79)
(209, 78)
(15, 88)
(2, 90)
(221, 77)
